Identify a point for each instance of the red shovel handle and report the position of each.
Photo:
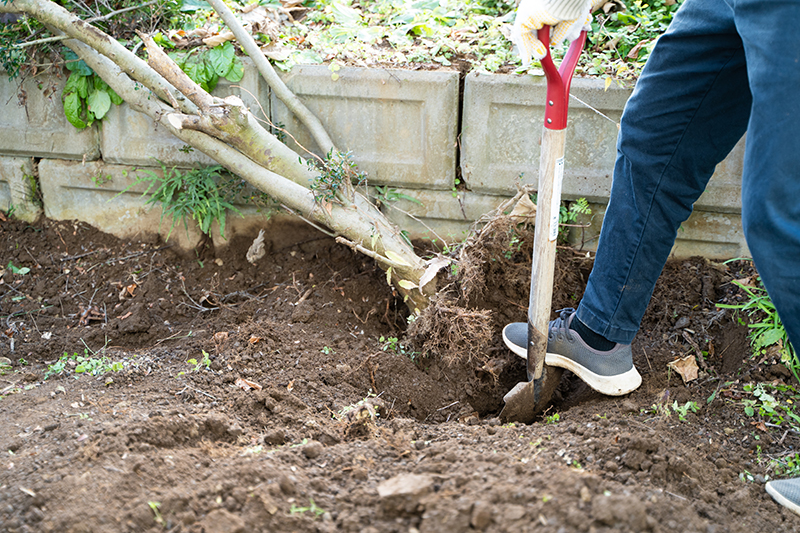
(559, 80)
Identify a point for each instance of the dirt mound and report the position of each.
(262, 398)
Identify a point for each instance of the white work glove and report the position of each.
(567, 17)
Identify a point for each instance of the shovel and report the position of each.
(527, 399)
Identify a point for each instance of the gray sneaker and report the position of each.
(786, 492)
(611, 372)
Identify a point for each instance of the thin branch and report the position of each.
(376, 256)
(263, 65)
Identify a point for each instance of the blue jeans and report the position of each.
(722, 68)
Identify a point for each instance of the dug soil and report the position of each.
(286, 396)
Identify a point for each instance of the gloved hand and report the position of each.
(568, 18)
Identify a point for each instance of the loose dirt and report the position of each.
(262, 398)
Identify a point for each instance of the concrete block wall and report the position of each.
(400, 125)
(409, 130)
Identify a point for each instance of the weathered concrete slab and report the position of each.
(502, 130)
(108, 197)
(131, 138)
(400, 125)
(93, 193)
(17, 183)
(32, 121)
(440, 215)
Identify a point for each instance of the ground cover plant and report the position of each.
(428, 33)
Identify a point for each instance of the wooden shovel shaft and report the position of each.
(551, 171)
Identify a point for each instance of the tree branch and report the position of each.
(56, 16)
(263, 65)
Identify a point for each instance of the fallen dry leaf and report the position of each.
(254, 340)
(525, 210)
(217, 40)
(256, 250)
(246, 384)
(686, 367)
(220, 336)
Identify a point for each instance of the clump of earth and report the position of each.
(287, 396)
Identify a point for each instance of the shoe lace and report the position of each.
(558, 327)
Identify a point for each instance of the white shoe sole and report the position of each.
(619, 385)
(778, 497)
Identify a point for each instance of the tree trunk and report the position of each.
(225, 130)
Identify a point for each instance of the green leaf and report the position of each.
(115, 98)
(75, 65)
(345, 15)
(770, 337)
(221, 58)
(77, 83)
(99, 103)
(236, 73)
(72, 110)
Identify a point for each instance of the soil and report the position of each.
(262, 398)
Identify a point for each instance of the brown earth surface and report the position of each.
(340, 431)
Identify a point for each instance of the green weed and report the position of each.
(773, 404)
(205, 362)
(393, 344)
(552, 419)
(204, 195)
(683, 410)
(767, 333)
(86, 97)
(787, 466)
(338, 173)
(83, 364)
(17, 271)
(154, 506)
(315, 510)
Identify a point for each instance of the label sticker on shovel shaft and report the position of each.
(555, 202)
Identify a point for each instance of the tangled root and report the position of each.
(493, 235)
(454, 333)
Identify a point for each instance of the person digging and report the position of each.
(722, 68)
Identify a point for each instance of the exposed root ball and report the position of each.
(454, 333)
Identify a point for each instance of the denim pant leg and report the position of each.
(689, 108)
(771, 177)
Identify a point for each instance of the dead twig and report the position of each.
(126, 258)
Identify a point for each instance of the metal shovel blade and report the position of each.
(527, 399)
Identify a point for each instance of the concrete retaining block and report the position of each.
(17, 182)
(439, 214)
(32, 121)
(92, 193)
(400, 125)
(502, 131)
(442, 216)
(132, 138)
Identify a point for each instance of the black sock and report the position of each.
(594, 340)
